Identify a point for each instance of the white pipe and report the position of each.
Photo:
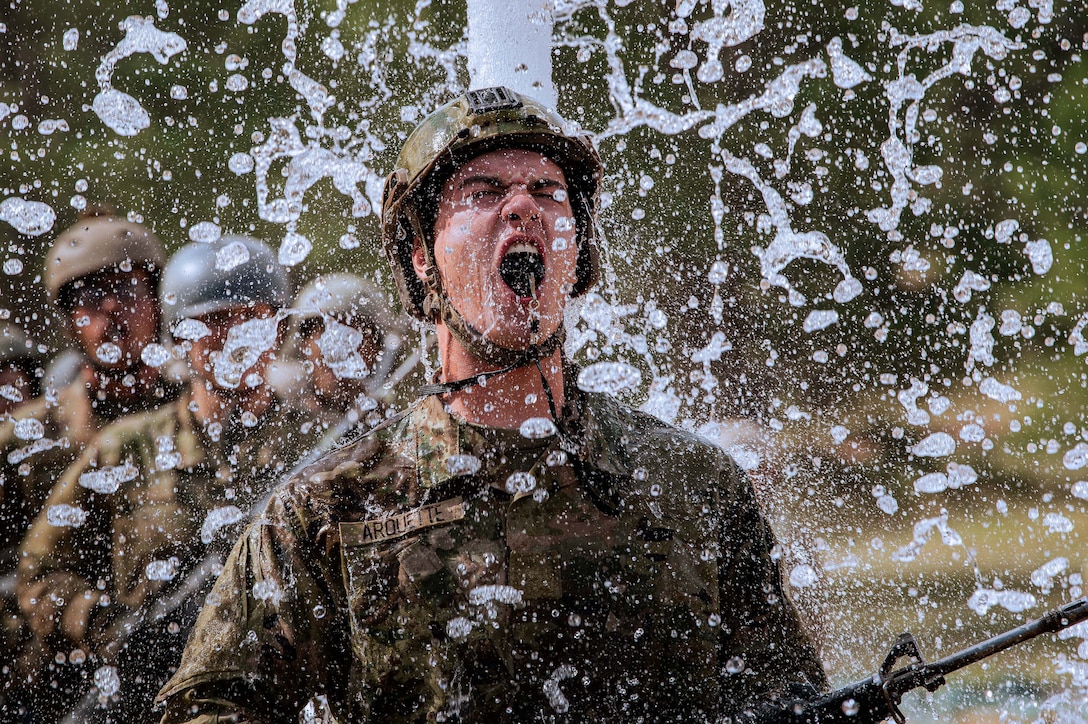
(510, 44)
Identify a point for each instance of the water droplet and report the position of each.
(240, 163)
(13, 266)
(179, 92)
(162, 570)
(237, 83)
(245, 344)
(459, 627)
(29, 429)
(803, 576)
(71, 39)
(108, 479)
(319, 611)
(520, 482)
(294, 249)
(109, 353)
(462, 464)
(217, 519)
(850, 707)
(555, 458)
(939, 444)
(30, 218)
(267, 590)
(205, 232)
(107, 680)
(65, 516)
(155, 355)
(536, 428)
(191, 329)
(820, 319)
(609, 377)
(120, 112)
(232, 255)
(735, 664)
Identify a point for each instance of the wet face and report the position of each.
(114, 315)
(202, 352)
(505, 245)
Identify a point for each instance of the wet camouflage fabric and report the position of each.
(160, 497)
(29, 467)
(400, 584)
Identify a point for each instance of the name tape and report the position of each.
(394, 526)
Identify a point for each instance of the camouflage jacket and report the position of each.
(427, 573)
(151, 496)
(34, 455)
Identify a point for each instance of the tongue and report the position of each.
(522, 271)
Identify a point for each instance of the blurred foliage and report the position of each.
(1008, 135)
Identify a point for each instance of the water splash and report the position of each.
(339, 346)
(245, 344)
(29, 218)
(117, 109)
(108, 480)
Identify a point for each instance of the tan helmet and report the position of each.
(98, 243)
(474, 123)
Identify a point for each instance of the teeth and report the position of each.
(522, 247)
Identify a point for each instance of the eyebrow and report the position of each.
(541, 183)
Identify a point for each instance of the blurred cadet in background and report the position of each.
(349, 343)
(102, 274)
(20, 368)
(162, 493)
(19, 383)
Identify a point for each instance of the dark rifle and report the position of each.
(878, 697)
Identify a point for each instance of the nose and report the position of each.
(520, 206)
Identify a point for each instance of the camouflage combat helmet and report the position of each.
(100, 242)
(474, 123)
(233, 271)
(347, 298)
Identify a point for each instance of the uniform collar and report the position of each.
(592, 418)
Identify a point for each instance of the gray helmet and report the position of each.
(231, 272)
(98, 243)
(347, 298)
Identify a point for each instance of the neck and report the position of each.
(506, 400)
(216, 405)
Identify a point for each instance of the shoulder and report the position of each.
(138, 426)
(361, 472)
(639, 435)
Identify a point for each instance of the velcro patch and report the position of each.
(389, 527)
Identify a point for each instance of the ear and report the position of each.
(419, 260)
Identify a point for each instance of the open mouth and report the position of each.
(522, 268)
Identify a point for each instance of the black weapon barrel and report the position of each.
(1053, 621)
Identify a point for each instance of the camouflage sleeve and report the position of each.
(61, 558)
(270, 636)
(765, 651)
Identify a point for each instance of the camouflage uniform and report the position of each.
(400, 579)
(160, 496)
(29, 467)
